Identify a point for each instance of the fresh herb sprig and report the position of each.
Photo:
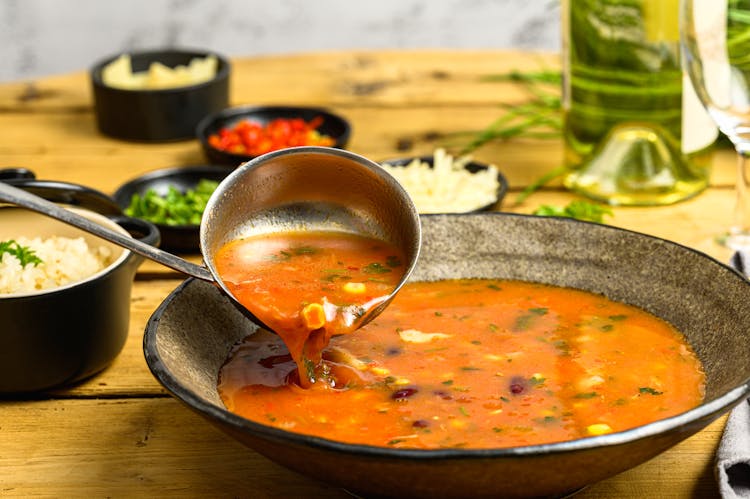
(175, 208)
(25, 255)
(541, 117)
(578, 209)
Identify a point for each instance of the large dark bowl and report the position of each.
(189, 336)
(333, 125)
(177, 238)
(158, 115)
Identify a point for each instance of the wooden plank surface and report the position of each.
(154, 447)
(119, 433)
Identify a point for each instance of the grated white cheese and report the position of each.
(447, 186)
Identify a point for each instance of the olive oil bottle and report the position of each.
(635, 132)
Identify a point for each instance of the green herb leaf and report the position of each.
(541, 117)
(649, 391)
(25, 255)
(588, 395)
(578, 209)
(174, 207)
(375, 268)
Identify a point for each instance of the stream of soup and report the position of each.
(475, 364)
(310, 286)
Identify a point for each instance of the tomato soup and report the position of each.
(310, 286)
(475, 364)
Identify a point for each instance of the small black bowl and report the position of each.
(472, 166)
(158, 115)
(333, 125)
(178, 238)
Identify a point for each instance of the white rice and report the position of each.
(64, 260)
(447, 186)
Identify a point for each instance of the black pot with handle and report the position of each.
(55, 337)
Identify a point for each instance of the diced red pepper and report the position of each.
(253, 139)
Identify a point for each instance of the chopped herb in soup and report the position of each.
(475, 364)
(310, 286)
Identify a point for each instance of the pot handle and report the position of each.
(16, 174)
(61, 192)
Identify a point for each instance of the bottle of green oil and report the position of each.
(635, 132)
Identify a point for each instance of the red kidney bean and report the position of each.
(443, 394)
(517, 385)
(403, 393)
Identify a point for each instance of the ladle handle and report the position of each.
(19, 197)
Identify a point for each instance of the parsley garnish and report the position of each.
(648, 390)
(375, 268)
(25, 255)
(588, 395)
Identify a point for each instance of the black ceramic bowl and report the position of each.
(161, 114)
(55, 337)
(472, 167)
(178, 238)
(189, 336)
(333, 125)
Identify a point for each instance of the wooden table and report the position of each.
(119, 433)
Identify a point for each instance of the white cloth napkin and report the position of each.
(733, 456)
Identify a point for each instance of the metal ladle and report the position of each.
(297, 189)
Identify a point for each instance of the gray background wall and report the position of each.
(43, 37)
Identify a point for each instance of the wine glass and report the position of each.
(715, 42)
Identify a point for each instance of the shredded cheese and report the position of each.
(447, 186)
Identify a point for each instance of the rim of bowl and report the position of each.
(711, 409)
(222, 72)
(124, 254)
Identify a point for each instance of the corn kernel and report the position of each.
(380, 371)
(598, 429)
(356, 288)
(314, 315)
(401, 381)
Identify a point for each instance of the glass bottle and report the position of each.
(635, 132)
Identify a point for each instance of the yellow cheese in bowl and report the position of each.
(119, 74)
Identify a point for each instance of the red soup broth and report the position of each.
(475, 364)
(310, 286)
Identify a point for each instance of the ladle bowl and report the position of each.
(297, 189)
